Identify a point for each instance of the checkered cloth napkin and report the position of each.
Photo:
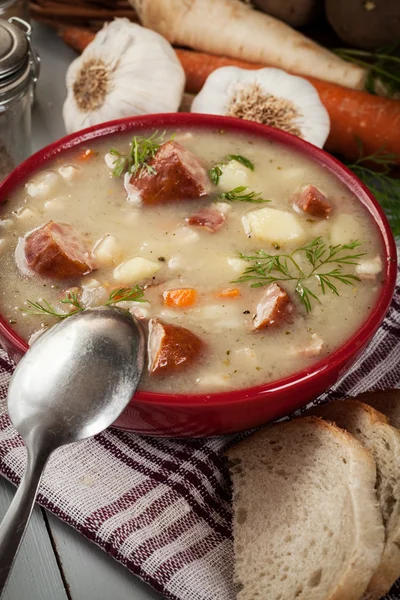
(162, 506)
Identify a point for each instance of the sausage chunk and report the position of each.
(171, 347)
(313, 202)
(56, 250)
(176, 174)
(207, 218)
(273, 308)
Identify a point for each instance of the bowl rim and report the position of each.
(329, 365)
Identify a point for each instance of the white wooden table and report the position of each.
(55, 562)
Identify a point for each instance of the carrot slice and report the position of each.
(229, 293)
(87, 154)
(180, 298)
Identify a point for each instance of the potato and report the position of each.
(223, 207)
(186, 235)
(25, 214)
(272, 225)
(43, 185)
(345, 229)
(107, 251)
(213, 380)
(233, 175)
(56, 205)
(93, 293)
(6, 224)
(69, 172)
(135, 270)
(238, 265)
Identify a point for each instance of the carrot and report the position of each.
(77, 37)
(87, 155)
(180, 298)
(354, 114)
(231, 27)
(229, 293)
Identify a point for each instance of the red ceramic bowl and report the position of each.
(226, 412)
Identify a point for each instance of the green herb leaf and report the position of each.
(132, 294)
(238, 195)
(242, 160)
(215, 173)
(126, 294)
(143, 149)
(383, 66)
(385, 188)
(268, 268)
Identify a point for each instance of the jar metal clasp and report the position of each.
(34, 57)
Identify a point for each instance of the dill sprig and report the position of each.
(143, 149)
(44, 307)
(238, 195)
(269, 268)
(126, 294)
(216, 171)
(385, 188)
(383, 67)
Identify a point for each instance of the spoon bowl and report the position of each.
(72, 383)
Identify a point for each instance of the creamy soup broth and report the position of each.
(94, 202)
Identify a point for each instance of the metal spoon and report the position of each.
(72, 383)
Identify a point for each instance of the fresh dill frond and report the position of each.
(270, 268)
(43, 307)
(242, 160)
(142, 150)
(126, 294)
(383, 67)
(381, 184)
(216, 171)
(239, 194)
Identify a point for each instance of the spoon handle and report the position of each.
(13, 526)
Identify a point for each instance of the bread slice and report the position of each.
(371, 428)
(307, 524)
(387, 402)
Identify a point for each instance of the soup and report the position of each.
(245, 261)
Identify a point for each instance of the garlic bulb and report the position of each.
(126, 70)
(268, 96)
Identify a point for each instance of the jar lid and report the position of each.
(14, 50)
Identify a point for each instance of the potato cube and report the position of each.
(345, 229)
(43, 185)
(25, 214)
(56, 205)
(272, 225)
(233, 175)
(70, 172)
(107, 251)
(135, 270)
(238, 265)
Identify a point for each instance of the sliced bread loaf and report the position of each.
(387, 402)
(371, 428)
(307, 524)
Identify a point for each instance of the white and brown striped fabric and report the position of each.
(162, 507)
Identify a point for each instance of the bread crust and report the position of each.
(368, 535)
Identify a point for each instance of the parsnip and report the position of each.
(231, 28)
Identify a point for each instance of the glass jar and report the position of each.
(19, 70)
(14, 8)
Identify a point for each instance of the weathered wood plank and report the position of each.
(35, 575)
(90, 573)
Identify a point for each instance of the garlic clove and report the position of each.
(269, 96)
(126, 70)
